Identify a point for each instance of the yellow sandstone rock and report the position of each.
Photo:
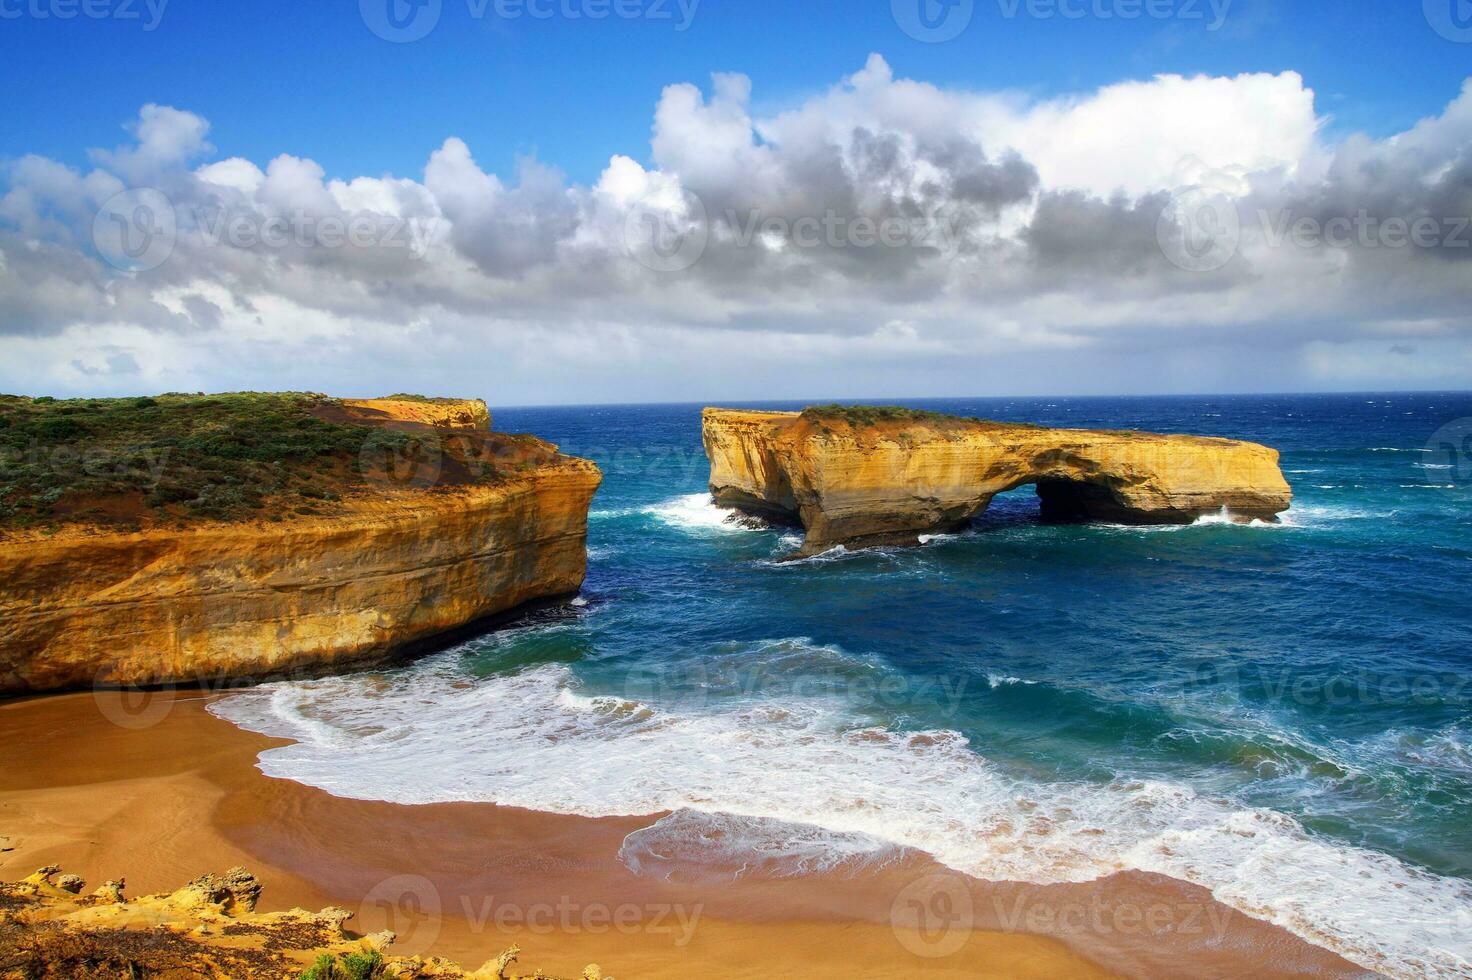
(865, 478)
(207, 929)
(228, 600)
(400, 561)
(444, 413)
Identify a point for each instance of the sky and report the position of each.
(572, 201)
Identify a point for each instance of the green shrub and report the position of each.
(367, 965)
(874, 414)
(179, 457)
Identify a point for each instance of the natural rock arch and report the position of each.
(859, 481)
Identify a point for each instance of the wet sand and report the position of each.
(160, 791)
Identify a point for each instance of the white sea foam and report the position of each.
(995, 681)
(532, 738)
(694, 512)
(1222, 518)
(695, 844)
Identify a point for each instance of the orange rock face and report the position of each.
(83, 607)
(444, 413)
(888, 482)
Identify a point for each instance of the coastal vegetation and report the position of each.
(875, 414)
(243, 455)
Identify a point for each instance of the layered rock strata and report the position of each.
(389, 567)
(855, 480)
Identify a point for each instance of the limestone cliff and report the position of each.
(207, 929)
(480, 523)
(445, 413)
(860, 477)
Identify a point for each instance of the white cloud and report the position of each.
(1026, 235)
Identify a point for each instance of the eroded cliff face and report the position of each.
(83, 607)
(444, 413)
(887, 482)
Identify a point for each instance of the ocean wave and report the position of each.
(529, 739)
(695, 512)
(1222, 518)
(995, 681)
(1448, 749)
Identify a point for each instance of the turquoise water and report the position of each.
(1283, 714)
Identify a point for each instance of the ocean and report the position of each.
(1280, 713)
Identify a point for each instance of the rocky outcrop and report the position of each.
(867, 477)
(386, 569)
(209, 929)
(444, 413)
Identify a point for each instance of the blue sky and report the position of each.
(309, 78)
(1093, 203)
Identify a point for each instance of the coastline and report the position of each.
(172, 792)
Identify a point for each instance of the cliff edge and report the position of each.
(865, 476)
(224, 537)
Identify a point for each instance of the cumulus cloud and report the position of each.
(883, 221)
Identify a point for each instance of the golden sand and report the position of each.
(164, 802)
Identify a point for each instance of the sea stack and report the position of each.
(864, 476)
(266, 535)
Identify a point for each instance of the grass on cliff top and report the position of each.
(863, 415)
(176, 458)
(422, 399)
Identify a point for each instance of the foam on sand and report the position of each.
(806, 766)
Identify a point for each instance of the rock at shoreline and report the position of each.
(875, 476)
(306, 535)
(209, 928)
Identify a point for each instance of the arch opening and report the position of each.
(1054, 501)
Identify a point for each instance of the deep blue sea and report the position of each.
(1280, 713)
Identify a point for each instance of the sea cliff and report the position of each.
(866, 476)
(428, 526)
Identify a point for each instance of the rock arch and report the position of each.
(860, 481)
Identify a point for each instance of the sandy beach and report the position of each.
(163, 791)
